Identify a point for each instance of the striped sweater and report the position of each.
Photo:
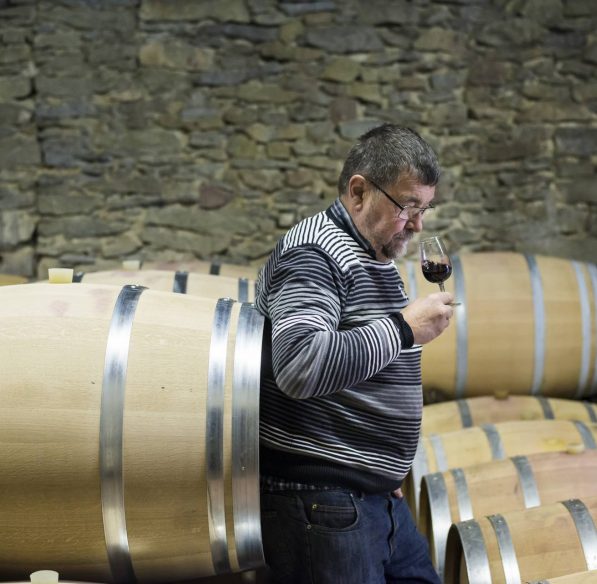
(341, 398)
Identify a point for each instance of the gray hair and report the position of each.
(384, 153)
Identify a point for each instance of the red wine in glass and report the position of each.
(435, 262)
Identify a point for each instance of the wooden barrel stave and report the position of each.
(458, 414)
(500, 486)
(589, 577)
(550, 303)
(204, 267)
(11, 279)
(543, 542)
(461, 448)
(194, 284)
(51, 417)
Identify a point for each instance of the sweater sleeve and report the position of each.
(310, 356)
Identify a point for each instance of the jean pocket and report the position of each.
(335, 511)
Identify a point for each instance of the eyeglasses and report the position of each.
(406, 211)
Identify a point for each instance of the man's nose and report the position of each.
(416, 222)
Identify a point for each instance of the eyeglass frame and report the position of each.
(421, 210)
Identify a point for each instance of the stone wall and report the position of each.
(172, 129)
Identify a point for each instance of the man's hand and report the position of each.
(429, 316)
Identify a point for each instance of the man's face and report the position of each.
(381, 223)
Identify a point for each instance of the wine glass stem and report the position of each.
(441, 287)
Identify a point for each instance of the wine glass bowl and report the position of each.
(435, 262)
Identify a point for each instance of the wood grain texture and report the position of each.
(445, 417)
(52, 350)
(545, 542)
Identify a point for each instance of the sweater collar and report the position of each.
(339, 215)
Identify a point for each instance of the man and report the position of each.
(341, 398)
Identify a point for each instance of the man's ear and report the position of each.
(357, 186)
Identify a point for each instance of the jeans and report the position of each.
(342, 537)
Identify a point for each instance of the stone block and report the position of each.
(52, 110)
(510, 32)
(51, 63)
(580, 190)
(308, 8)
(263, 180)
(65, 203)
(281, 52)
(175, 54)
(14, 87)
(289, 31)
(214, 196)
(200, 115)
(81, 226)
(16, 114)
(118, 16)
(121, 245)
(579, 8)
(185, 241)
(554, 112)
(381, 12)
(16, 227)
(451, 42)
(151, 142)
(487, 72)
(367, 92)
(13, 36)
(163, 81)
(524, 142)
(580, 247)
(352, 130)
(343, 109)
(64, 86)
(290, 132)
(64, 149)
(344, 39)
(254, 91)
(18, 262)
(261, 132)
(449, 115)
(57, 245)
(278, 150)
(103, 53)
(18, 15)
(201, 10)
(13, 196)
(15, 54)
(240, 146)
(579, 141)
(57, 39)
(298, 178)
(342, 70)
(585, 92)
(247, 32)
(545, 12)
(19, 150)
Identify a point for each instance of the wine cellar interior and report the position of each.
(153, 152)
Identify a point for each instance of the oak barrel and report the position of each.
(518, 482)
(214, 268)
(205, 285)
(589, 577)
(461, 448)
(129, 434)
(518, 546)
(11, 279)
(474, 411)
(527, 324)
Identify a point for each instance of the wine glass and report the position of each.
(435, 262)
